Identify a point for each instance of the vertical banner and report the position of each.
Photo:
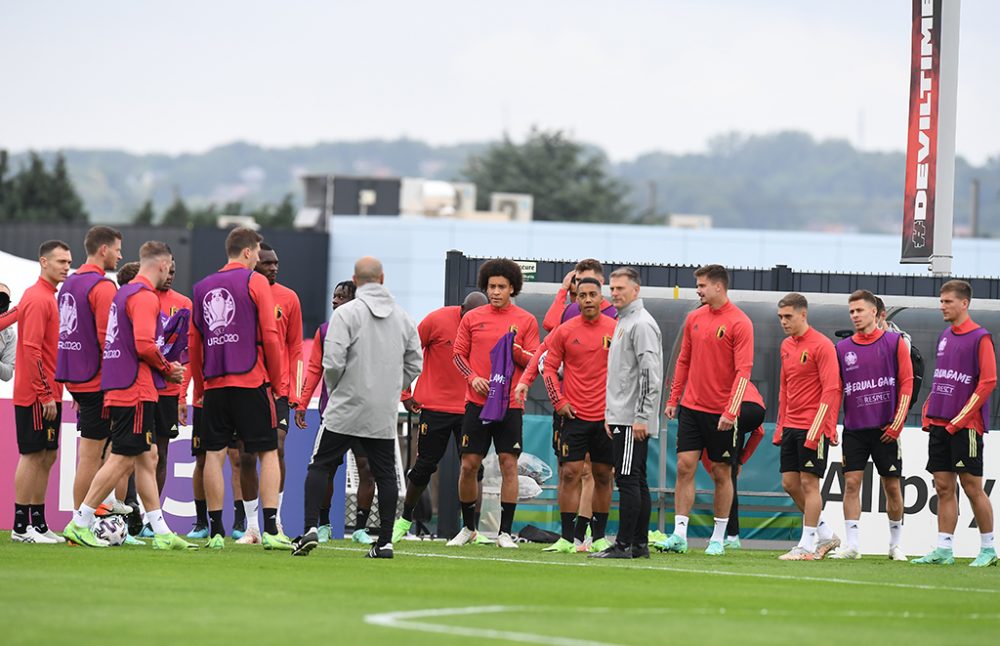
(920, 194)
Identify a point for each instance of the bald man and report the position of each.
(439, 397)
(371, 350)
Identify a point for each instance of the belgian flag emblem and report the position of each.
(196, 442)
(513, 329)
(423, 429)
(465, 441)
(721, 332)
(149, 438)
(606, 342)
(805, 357)
(51, 433)
(565, 450)
(173, 310)
(277, 312)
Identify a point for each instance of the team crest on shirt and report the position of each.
(721, 332)
(219, 309)
(513, 329)
(804, 356)
(606, 342)
(277, 312)
(173, 310)
(67, 315)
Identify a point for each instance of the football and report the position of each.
(112, 529)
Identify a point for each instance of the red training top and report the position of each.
(288, 314)
(553, 317)
(480, 330)
(720, 341)
(143, 309)
(809, 392)
(581, 346)
(37, 346)
(441, 387)
(969, 416)
(269, 348)
(314, 372)
(170, 303)
(99, 299)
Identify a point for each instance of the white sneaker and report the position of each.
(896, 554)
(798, 554)
(464, 537)
(504, 540)
(845, 553)
(27, 537)
(251, 537)
(52, 536)
(39, 538)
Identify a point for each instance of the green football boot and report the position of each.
(987, 557)
(399, 529)
(171, 541)
(82, 536)
(715, 548)
(731, 543)
(600, 545)
(324, 533)
(940, 556)
(674, 543)
(277, 542)
(482, 539)
(562, 546)
(217, 542)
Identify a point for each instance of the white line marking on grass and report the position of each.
(667, 568)
(405, 621)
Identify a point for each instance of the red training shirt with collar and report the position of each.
(288, 316)
(37, 346)
(810, 390)
(440, 387)
(969, 416)
(720, 342)
(479, 331)
(143, 309)
(170, 303)
(99, 299)
(269, 348)
(581, 346)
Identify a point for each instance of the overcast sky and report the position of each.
(629, 76)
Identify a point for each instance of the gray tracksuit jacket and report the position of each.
(635, 370)
(372, 351)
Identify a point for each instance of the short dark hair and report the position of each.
(794, 300)
(100, 235)
(959, 288)
(349, 285)
(628, 272)
(153, 249)
(501, 267)
(879, 306)
(49, 246)
(714, 274)
(864, 295)
(590, 264)
(127, 272)
(266, 247)
(241, 238)
(589, 281)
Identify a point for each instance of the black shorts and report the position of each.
(557, 424)
(505, 435)
(796, 457)
(167, 419)
(247, 413)
(434, 433)
(281, 413)
(698, 430)
(580, 437)
(133, 428)
(92, 421)
(35, 433)
(866, 443)
(197, 431)
(958, 453)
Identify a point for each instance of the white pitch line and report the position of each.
(404, 620)
(755, 575)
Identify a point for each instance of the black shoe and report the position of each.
(616, 551)
(306, 543)
(640, 551)
(380, 551)
(134, 521)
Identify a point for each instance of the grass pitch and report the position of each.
(435, 595)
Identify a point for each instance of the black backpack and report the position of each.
(917, 361)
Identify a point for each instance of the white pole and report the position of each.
(944, 212)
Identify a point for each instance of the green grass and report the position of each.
(244, 594)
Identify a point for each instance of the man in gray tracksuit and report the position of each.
(632, 415)
(372, 351)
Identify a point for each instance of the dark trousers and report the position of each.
(328, 455)
(634, 503)
(751, 417)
